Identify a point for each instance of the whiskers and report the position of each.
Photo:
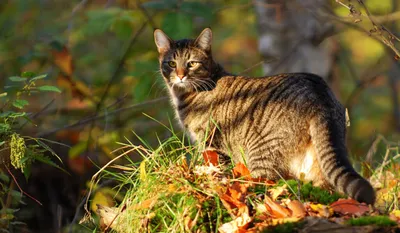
(197, 85)
(203, 84)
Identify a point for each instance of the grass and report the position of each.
(171, 190)
(168, 192)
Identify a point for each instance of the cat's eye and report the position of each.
(172, 64)
(192, 64)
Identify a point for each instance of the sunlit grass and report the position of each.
(171, 189)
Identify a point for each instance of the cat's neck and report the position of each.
(218, 72)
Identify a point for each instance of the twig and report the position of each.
(19, 187)
(34, 115)
(341, 3)
(377, 29)
(94, 177)
(146, 14)
(96, 117)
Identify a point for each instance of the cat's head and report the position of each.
(186, 65)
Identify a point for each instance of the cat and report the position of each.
(282, 126)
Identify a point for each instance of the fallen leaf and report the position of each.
(103, 198)
(237, 225)
(211, 157)
(297, 208)
(107, 216)
(206, 170)
(278, 191)
(385, 197)
(238, 190)
(146, 204)
(276, 210)
(240, 170)
(349, 207)
(231, 203)
(395, 215)
(321, 210)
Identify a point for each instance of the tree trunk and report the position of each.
(291, 36)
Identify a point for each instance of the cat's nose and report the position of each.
(181, 76)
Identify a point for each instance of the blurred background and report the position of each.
(101, 54)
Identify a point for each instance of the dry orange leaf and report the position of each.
(240, 170)
(146, 204)
(230, 202)
(275, 209)
(297, 209)
(63, 60)
(278, 191)
(211, 157)
(349, 206)
(238, 191)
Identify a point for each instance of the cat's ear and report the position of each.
(162, 41)
(204, 39)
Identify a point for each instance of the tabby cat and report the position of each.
(283, 126)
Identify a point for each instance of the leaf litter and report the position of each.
(253, 204)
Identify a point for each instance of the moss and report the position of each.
(285, 227)
(383, 221)
(308, 192)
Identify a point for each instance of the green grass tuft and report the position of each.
(383, 221)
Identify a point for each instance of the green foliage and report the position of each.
(383, 221)
(309, 192)
(23, 150)
(22, 153)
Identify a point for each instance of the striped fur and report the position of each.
(287, 125)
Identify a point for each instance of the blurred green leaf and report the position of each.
(4, 177)
(57, 45)
(198, 8)
(4, 128)
(28, 74)
(17, 79)
(177, 25)
(100, 21)
(3, 94)
(38, 77)
(122, 28)
(77, 150)
(27, 171)
(49, 88)
(20, 103)
(144, 72)
(160, 5)
(11, 114)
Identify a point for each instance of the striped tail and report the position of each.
(328, 137)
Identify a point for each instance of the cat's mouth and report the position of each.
(180, 82)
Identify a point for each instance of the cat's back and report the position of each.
(288, 89)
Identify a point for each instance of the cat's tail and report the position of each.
(328, 137)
